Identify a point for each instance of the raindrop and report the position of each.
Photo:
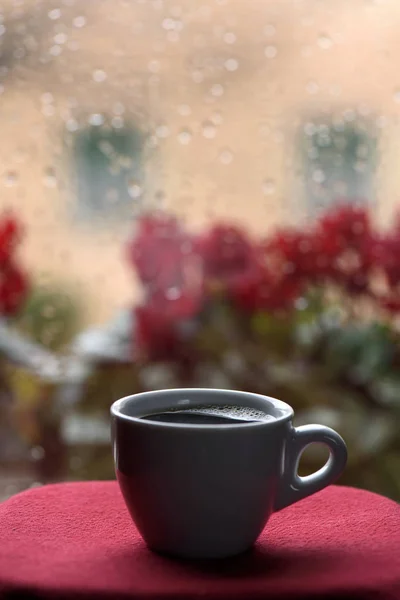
(209, 130)
(324, 42)
(72, 125)
(118, 108)
(60, 38)
(269, 30)
(335, 90)
(271, 51)
(154, 66)
(184, 110)
(301, 304)
(99, 75)
(79, 21)
(307, 20)
(360, 166)
(231, 64)
(125, 162)
(306, 51)
(75, 463)
(173, 293)
(19, 53)
(229, 37)
(37, 453)
(318, 176)
(73, 45)
(72, 102)
(137, 27)
(197, 76)
(310, 129)
(264, 130)
(10, 178)
(268, 187)
(49, 178)
(2, 29)
(162, 131)
(217, 90)
(173, 36)
(112, 195)
(96, 119)
(216, 118)
(47, 98)
(396, 96)
(54, 14)
(226, 157)
(364, 110)
(160, 196)
(48, 110)
(312, 87)
(168, 24)
(349, 115)
(381, 122)
(184, 136)
(107, 149)
(55, 50)
(152, 141)
(134, 189)
(117, 122)
(176, 11)
(2, 88)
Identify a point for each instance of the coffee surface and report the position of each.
(210, 415)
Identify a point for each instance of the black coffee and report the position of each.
(210, 415)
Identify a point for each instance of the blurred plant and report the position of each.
(51, 317)
(308, 315)
(33, 324)
(14, 288)
(13, 281)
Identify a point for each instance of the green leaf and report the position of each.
(366, 351)
(275, 333)
(51, 317)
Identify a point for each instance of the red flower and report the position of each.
(160, 252)
(346, 242)
(338, 249)
(158, 323)
(267, 292)
(9, 237)
(345, 225)
(13, 283)
(13, 289)
(388, 257)
(229, 257)
(392, 305)
(295, 254)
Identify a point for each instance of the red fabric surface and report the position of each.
(77, 540)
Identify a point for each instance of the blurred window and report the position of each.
(108, 164)
(339, 162)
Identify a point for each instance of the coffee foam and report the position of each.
(239, 413)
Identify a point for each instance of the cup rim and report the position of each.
(117, 406)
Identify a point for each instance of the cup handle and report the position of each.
(292, 487)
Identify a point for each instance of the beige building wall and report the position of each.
(222, 91)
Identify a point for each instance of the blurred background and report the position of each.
(264, 116)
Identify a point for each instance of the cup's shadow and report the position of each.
(258, 561)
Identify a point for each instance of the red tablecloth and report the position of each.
(77, 541)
